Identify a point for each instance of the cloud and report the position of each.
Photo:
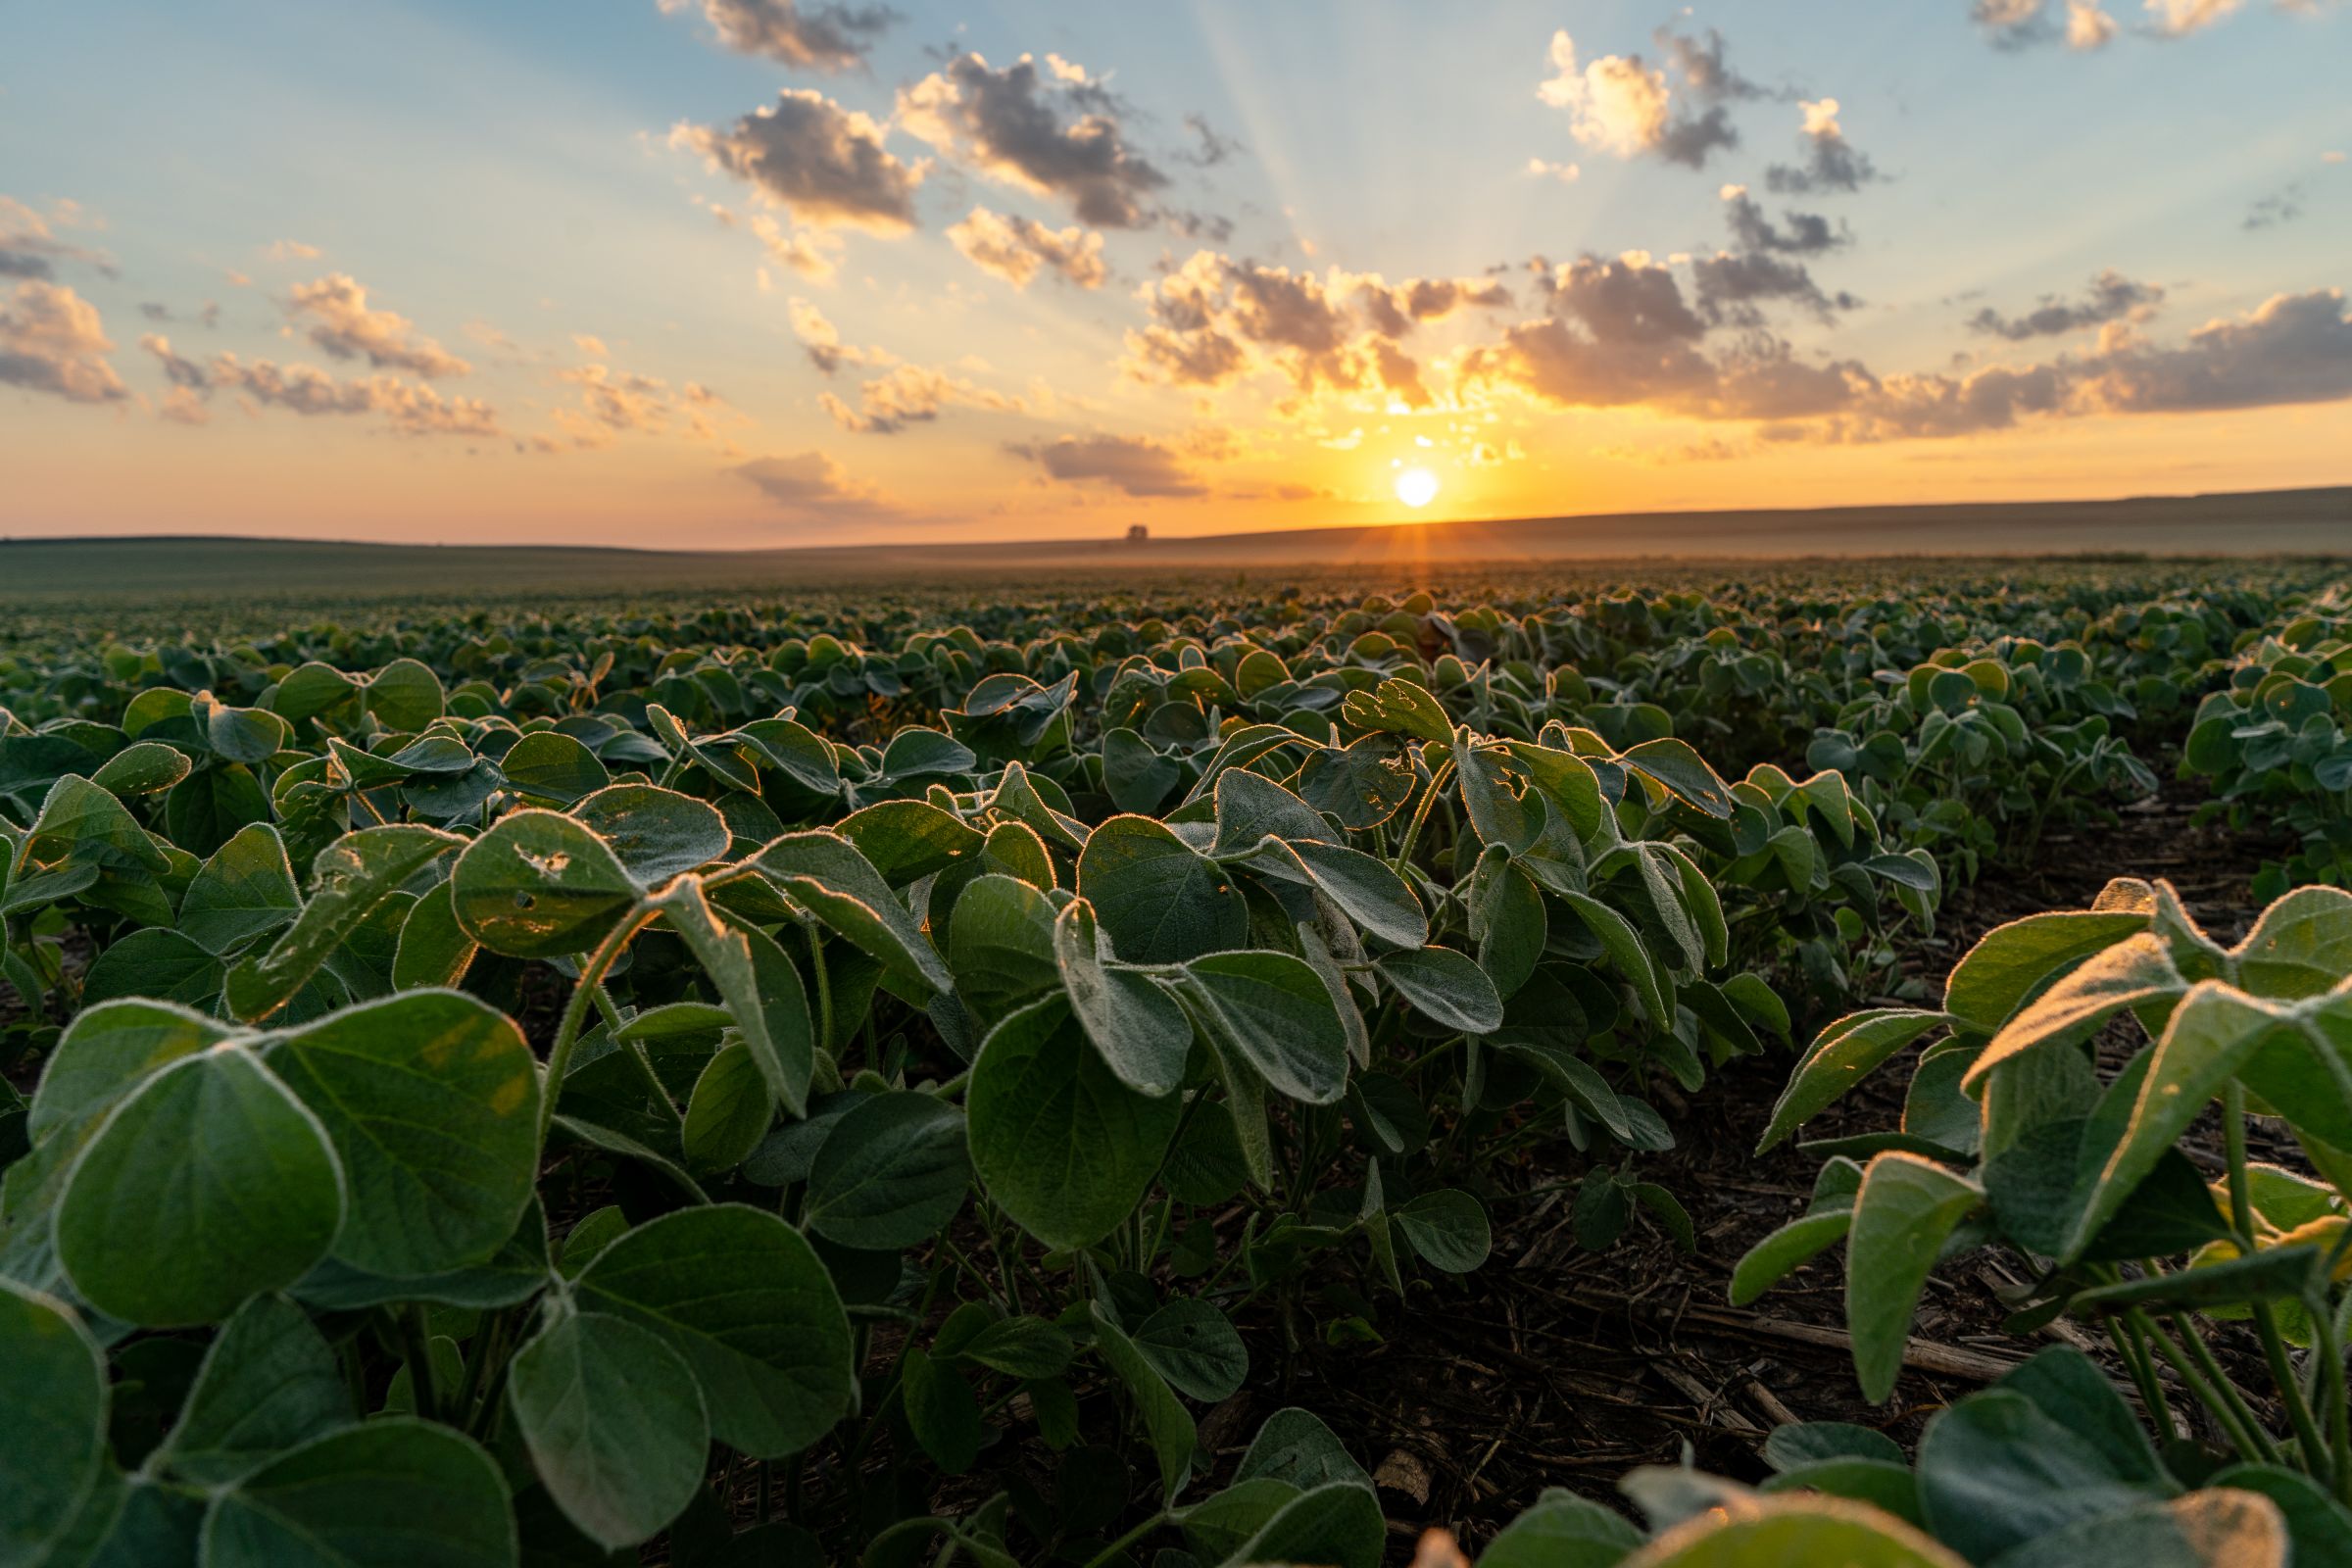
(346, 329)
(2178, 19)
(2292, 348)
(1832, 162)
(2020, 24)
(812, 252)
(2110, 296)
(813, 486)
(824, 163)
(291, 250)
(408, 408)
(183, 373)
(1729, 284)
(53, 340)
(912, 394)
(2279, 207)
(29, 246)
(1623, 105)
(822, 339)
(590, 344)
(1215, 321)
(1135, 466)
(1051, 134)
(1017, 248)
(822, 38)
(1213, 149)
(1565, 174)
(1806, 234)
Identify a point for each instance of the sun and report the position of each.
(1416, 487)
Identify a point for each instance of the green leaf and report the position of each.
(1060, 1143)
(943, 1411)
(141, 768)
(246, 889)
(1780, 1254)
(1295, 1446)
(1804, 1530)
(2008, 962)
(728, 1113)
(1676, 767)
(1274, 1010)
(53, 1449)
(349, 879)
(1140, 1031)
(268, 1383)
(1157, 900)
(540, 885)
(892, 1173)
(1448, 1228)
(2272, 1274)
(1000, 943)
(395, 1492)
(434, 948)
(157, 964)
(2320, 1527)
(2214, 1032)
(1839, 1056)
(614, 1424)
(1562, 1531)
(209, 1184)
(1446, 986)
(745, 1300)
(1165, 1420)
(431, 1100)
(656, 833)
(1337, 1523)
(2131, 975)
(107, 1052)
(905, 840)
(1995, 1470)
(1020, 1347)
(1906, 1208)
(2301, 947)
(1804, 1443)
(759, 985)
(1625, 949)
(823, 871)
(549, 765)
(1196, 1348)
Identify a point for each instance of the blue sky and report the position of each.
(620, 267)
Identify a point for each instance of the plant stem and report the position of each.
(2226, 1409)
(1437, 782)
(416, 1352)
(824, 988)
(2132, 1346)
(1118, 1548)
(2316, 1455)
(575, 1011)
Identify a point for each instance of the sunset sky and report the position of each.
(737, 272)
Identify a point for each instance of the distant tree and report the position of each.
(1137, 533)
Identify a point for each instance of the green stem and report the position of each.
(416, 1352)
(2316, 1453)
(2246, 1438)
(575, 1011)
(824, 987)
(1437, 782)
(2132, 1346)
(2226, 1387)
(1117, 1549)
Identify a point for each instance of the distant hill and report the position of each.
(2316, 521)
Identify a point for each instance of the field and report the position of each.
(1212, 1054)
